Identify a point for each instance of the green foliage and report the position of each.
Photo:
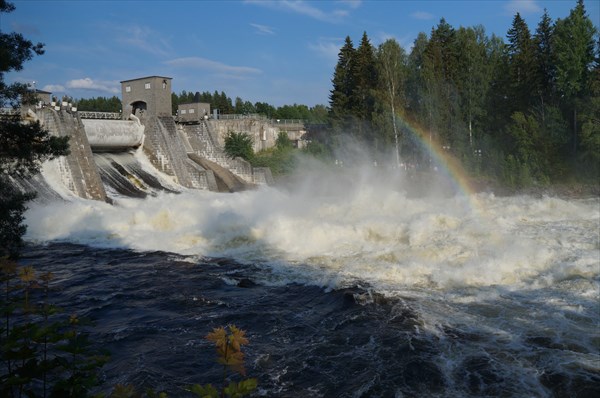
(522, 64)
(12, 229)
(317, 150)
(391, 66)
(280, 160)
(243, 107)
(574, 51)
(23, 145)
(524, 111)
(544, 52)
(228, 342)
(15, 50)
(341, 99)
(239, 145)
(224, 104)
(44, 352)
(283, 142)
(589, 119)
(100, 104)
(365, 80)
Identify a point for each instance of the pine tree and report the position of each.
(498, 102)
(415, 84)
(574, 51)
(440, 66)
(341, 97)
(589, 119)
(574, 56)
(521, 64)
(365, 80)
(545, 69)
(23, 146)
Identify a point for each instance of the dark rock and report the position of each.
(247, 283)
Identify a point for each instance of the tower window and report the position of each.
(147, 86)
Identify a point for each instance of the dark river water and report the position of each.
(152, 309)
(344, 290)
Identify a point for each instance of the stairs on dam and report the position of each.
(168, 154)
(235, 174)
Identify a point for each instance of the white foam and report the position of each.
(374, 235)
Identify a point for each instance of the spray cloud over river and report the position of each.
(482, 294)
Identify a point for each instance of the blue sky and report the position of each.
(280, 52)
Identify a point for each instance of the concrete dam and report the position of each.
(138, 157)
(140, 151)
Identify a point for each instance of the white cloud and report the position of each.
(522, 7)
(210, 65)
(54, 88)
(422, 15)
(306, 8)
(328, 48)
(89, 84)
(143, 38)
(263, 29)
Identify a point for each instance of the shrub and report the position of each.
(239, 145)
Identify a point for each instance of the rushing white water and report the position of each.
(520, 275)
(368, 234)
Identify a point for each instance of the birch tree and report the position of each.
(392, 76)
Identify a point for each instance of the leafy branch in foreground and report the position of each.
(228, 342)
(43, 352)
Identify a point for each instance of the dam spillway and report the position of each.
(113, 135)
(137, 157)
(77, 170)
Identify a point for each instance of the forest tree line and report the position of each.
(525, 111)
(220, 101)
(522, 111)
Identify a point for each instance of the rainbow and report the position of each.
(446, 163)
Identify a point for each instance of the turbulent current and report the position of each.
(346, 288)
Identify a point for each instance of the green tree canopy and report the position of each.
(341, 96)
(239, 145)
(23, 145)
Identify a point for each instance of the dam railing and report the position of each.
(257, 116)
(100, 115)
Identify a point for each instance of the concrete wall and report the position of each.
(262, 132)
(154, 91)
(192, 112)
(202, 142)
